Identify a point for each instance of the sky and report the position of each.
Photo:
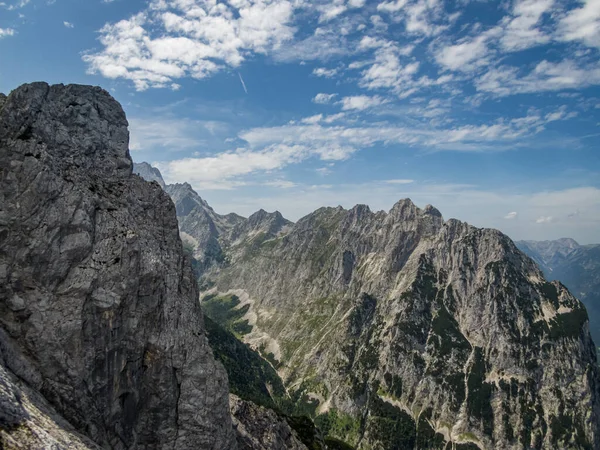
(488, 110)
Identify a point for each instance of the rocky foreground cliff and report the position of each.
(402, 330)
(101, 334)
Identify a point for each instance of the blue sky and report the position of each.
(488, 110)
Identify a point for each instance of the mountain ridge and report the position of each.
(447, 333)
(577, 266)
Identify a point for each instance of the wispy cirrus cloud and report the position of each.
(545, 76)
(467, 137)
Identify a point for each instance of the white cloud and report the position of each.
(171, 134)
(282, 184)
(392, 6)
(6, 32)
(325, 43)
(221, 170)
(387, 71)
(340, 140)
(17, 5)
(323, 72)
(361, 102)
(544, 219)
(425, 17)
(175, 38)
(334, 117)
(465, 55)
(331, 10)
(582, 24)
(511, 215)
(522, 30)
(399, 181)
(546, 76)
(356, 3)
(313, 119)
(68, 24)
(322, 98)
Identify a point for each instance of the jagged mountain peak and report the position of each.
(569, 242)
(432, 210)
(85, 117)
(262, 216)
(149, 173)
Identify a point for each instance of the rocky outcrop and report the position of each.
(200, 226)
(27, 421)
(402, 330)
(149, 173)
(576, 266)
(211, 235)
(98, 304)
(260, 428)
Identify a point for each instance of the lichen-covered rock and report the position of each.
(98, 303)
(260, 428)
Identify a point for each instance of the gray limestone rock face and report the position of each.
(260, 428)
(576, 266)
(149, 173)
(98, 303)
(27, 421)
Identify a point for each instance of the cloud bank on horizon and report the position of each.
(488, 110)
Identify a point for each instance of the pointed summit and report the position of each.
(149, 173)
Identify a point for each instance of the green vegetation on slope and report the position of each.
(223, 310)
(338, 426)
(250, 376)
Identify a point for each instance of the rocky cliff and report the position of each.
(100, 327)
(149, 173)
(577, 266)
(402, 330)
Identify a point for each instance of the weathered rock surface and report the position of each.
(200, 226)
(407, 331)
(27, 421)
(576, 266)
(98, 305)
(260, 428)
(149, 173)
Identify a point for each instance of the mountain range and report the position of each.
(399, 329)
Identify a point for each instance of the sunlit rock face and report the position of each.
(98, 304)
(575, 265)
